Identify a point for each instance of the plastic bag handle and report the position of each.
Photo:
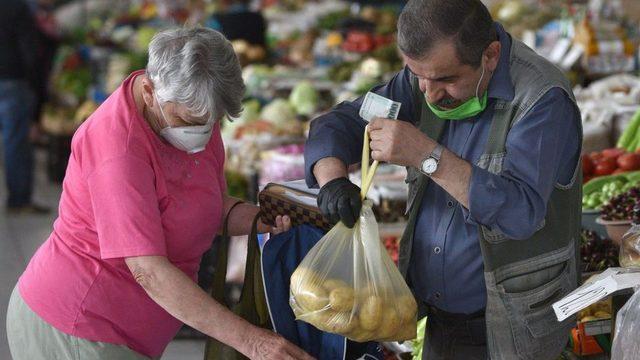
(367, 172)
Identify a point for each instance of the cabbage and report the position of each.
(304, 98)
(279, 113)
(418, 343)
(371, 68)
(256, 78)
(250, 113)
(143, 38)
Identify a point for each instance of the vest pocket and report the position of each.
(526, 297)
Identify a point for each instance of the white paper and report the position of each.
(596, 289)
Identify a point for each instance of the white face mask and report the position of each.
(191, 139)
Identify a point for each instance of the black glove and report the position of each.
(339, 199)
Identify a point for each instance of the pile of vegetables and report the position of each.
(625, 206)
(600, 190)
(597, 311)
(597, 253)
(609, 161)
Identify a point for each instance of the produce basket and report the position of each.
(615, 228)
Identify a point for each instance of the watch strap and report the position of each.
(437, 152)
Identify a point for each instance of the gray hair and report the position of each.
(468, 23)
(196, 67)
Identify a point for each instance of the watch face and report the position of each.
(429, 166)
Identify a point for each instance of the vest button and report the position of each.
(437, 249)
(450, 203)
(437, 295)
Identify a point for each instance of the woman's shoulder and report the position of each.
(112, 131)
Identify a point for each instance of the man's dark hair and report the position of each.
(423, 23)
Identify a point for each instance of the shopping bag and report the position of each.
(626, 342)
(252, 305)
(630, 248)
(348, 285)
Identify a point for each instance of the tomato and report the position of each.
(605, 168)
(638, 151)
(613, 152)
(629, 161)
(595, 156)
(607, 160)
(619, 171)
(586, 179)
(587, 165)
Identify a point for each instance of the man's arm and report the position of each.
(335, 138)
(541, 150)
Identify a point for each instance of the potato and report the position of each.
(311, 297)
(407, 332)
(407, 308)
(319, 319)
(331, 284)
(371, 313)
(342, 323)
(341, 299)
(304, 275)
(390, 323)
(602, 314)
(360, 335)
(368, 291)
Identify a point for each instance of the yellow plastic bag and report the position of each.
(347, 284)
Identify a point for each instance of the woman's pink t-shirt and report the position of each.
(126, 193)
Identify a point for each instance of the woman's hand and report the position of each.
(283, 224)
(266, 345)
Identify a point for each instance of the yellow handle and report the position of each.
(367, 172)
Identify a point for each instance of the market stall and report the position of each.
(317, 54)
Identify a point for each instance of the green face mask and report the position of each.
(469, 108)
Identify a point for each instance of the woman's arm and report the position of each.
(170, 288)
(242, 216)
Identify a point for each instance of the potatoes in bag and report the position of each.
(347, 284)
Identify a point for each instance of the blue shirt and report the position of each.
(446, 268)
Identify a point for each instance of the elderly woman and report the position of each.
(143, 197)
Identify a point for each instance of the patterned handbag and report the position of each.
(300, 205)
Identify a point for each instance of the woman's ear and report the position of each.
(147, 93)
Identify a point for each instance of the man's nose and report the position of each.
(432, 91)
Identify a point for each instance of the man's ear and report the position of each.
(492, 55)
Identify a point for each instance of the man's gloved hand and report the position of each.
(339, 199)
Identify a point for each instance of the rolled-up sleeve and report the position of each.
(542, 150)
(339, 132)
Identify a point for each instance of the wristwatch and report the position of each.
(430, 163)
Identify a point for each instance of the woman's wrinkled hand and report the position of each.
(267, 345)
(283, 224)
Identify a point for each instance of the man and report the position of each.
(17, 102)
(490, 134)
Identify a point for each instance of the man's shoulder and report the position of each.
(532, 69)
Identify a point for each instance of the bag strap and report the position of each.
(220, 275)
(247, 302)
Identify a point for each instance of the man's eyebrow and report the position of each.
(441, 78)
